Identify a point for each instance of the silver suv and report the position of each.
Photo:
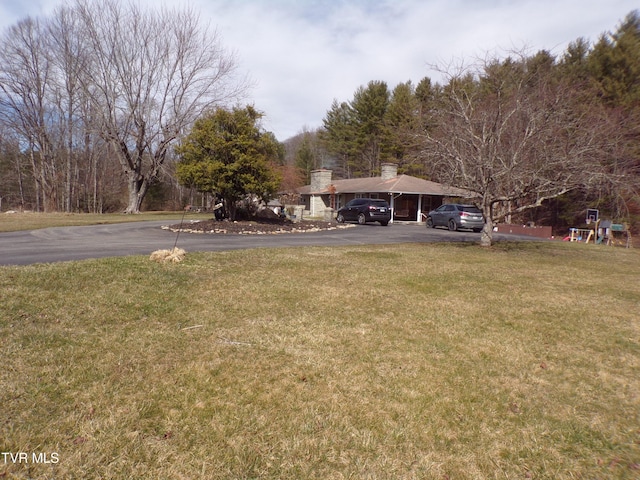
(454, 216)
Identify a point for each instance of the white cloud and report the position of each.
(302, 54)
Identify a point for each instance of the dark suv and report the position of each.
(365, 210)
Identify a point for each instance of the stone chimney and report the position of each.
(320, 179)
(389, 171)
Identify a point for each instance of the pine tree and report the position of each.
(402, 123)
(615, 64)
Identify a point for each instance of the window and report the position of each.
(470, 209)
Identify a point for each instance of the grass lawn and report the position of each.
(366, 362)
(10, 222)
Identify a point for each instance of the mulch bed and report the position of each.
(254, 227)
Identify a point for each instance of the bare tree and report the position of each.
(68, 59)
(151, 74)
(514, 135)
(12, 169)
(104, 76)
(24, 103)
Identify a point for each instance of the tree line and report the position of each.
(94, 96)
(98, 104)
(518, 132)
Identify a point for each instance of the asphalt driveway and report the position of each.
(60, 244)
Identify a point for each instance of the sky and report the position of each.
(303, 54)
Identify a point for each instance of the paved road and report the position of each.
(141, 238)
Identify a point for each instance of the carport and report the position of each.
(410, 198)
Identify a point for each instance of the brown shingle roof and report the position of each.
(400, 184)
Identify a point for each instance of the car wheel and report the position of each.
(477, 230)
(430, 223)
(452, 225)
(362, 219)
(340, 218)
(384, 224)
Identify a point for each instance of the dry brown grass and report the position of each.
(10, 222)
(404, 362)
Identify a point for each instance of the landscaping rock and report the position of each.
(260, 226)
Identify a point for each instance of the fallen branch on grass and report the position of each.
(192, 327)
(232, 342)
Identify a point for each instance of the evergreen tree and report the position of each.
(355, 132)
(305, 159)
(228, 154)
(615, 64)
(337, 136)
(574, 62)
(402, 122)
(369, 106)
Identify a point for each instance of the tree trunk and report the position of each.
(231, 208)
(68, 188)
(138, 187)
(486, 236)
(20, 184)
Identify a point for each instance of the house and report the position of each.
(409, 197)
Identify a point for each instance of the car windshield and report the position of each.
(379, 203)
(470, 209)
